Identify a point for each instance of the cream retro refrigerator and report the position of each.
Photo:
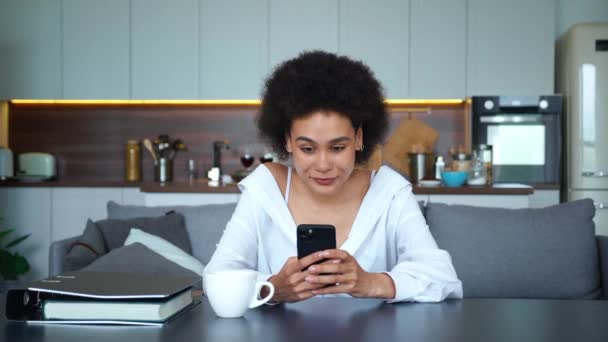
(583, 80)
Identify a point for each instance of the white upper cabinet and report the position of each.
(30, 58)
(377, 33)
(301, 25)
(233, 48)
(165, 49)
(438, 49)
(96, 49)
(510, 48)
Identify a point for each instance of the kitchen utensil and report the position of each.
(6, 163)
(37, 165)
(163, 170)
(454, 178)
(411, 132)
(420, 166)
(150, 148)
(429, 183)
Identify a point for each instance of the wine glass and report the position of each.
(247, 158)
(267, 156)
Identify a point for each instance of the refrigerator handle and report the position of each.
(601, 205)
(595, 174)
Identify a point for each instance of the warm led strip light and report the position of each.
(222, 103)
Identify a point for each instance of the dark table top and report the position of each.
(346, 319)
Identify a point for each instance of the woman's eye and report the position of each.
(337, 148)
(306, 149)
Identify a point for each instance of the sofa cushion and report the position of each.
(141, 260)
(204, 223)
(89, 246)
(171, 227)
(166, 249)
(112, 233)
(520, 253)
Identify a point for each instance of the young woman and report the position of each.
(326, 113)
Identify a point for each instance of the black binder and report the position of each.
(26, 304)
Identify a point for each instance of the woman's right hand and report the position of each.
(289, 283)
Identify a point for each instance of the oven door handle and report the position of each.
(511, 119)
(594, 174)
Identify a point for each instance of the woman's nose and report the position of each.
(324, 162)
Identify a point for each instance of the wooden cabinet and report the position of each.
(30, 57)
(233, 48)
(437, 49)
(510, 47)
(378, 34)
(301, 25)
(165, 49)
(28, 211)
(95, 49)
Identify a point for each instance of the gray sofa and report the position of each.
(498, 253)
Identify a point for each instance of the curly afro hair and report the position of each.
(321, 81)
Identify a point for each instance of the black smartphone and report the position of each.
(315, 238)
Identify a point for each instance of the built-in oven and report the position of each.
(525, 133)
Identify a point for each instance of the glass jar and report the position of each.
(477, 175)
(485, 156)
(461, 162)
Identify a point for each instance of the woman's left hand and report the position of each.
(344, 275)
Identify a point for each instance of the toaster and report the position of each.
(36, 165)
(6, 163)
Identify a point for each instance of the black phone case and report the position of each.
(314, 238)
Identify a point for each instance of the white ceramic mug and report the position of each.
(232, 292)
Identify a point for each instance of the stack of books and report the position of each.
(102, 298)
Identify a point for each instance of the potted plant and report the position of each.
(12, 264)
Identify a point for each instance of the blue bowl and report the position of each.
(454, 178)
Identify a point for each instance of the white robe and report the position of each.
(389, 235)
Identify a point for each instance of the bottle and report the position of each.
(192, 171)
(439, 167)
(132, 161)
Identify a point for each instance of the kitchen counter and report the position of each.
(80, 183)
(202, 186)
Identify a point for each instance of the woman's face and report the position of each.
(323, 147)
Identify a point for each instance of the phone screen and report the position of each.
(315, 238)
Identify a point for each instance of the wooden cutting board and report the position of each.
(412, 132)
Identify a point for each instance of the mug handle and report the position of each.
(255, 302)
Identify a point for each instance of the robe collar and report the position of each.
(385, 185)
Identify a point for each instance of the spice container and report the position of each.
(461, 162)
(484, 153)
(132, 161)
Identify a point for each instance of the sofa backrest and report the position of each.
(520, 253)
(204, 223)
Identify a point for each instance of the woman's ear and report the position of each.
(359, 138)
(288, 144)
